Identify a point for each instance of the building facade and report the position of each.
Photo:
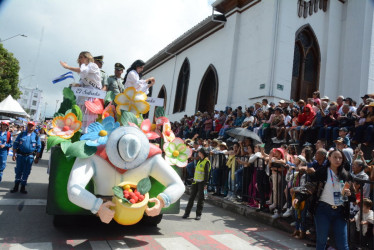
(274, 49)
(31, 101)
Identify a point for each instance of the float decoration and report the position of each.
(146, 127)
(132, 101)
(79, 149)
(98, 133)
(177, 153)
(65, 126)
(96, 147)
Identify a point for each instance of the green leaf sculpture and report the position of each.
(79, 149)
(65, 145)
(76, 136)
(110, 96)
(69, 94)
(76, 110)
(144, 185)
(118, 192)
(159, 112)
(127, 117)
(54, 140)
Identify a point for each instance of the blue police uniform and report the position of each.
(4, 151)
(26, 145)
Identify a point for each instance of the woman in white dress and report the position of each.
(90, 78)
(134, 75)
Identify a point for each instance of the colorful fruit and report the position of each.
(132, 201)
(127, 187)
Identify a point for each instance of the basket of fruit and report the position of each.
(131, 200)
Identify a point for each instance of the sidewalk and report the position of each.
(238, 208)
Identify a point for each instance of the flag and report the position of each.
(63, 77)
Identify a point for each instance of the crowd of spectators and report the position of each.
(297, 138)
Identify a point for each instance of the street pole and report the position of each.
(12, 37)
(56, 105)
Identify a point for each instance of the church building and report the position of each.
(248, 50)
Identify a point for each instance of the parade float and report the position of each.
(124, 166)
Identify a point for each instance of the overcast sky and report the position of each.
(121, 30)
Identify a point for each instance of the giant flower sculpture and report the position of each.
(167, 133)
(98, 133)
(177, 153)
(110, 110)
(65, 126)
(132, 101)
(146, 127)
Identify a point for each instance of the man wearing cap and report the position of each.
(104, 77)
(115, 81)
(5, 145)
(26, 146)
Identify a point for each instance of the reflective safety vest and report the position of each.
(199, 170)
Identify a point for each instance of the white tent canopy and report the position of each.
(10, 107)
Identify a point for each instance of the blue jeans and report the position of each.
(325, 217)
(239, 180)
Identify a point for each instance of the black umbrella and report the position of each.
(241, 133)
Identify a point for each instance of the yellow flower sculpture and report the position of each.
(132, 101)
(65, 126)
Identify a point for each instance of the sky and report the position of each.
(58, 30)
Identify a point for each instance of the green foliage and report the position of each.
(65, 106)
(69, 94)
(159, 112)
(77, 111)
(58, 114)
(9, 68)
(127, 117)
(68, 101)
(118, 192)
(54, 140)
(144, 185)
(76, 136)
(109, 97)
(65, 145)
(79, 149)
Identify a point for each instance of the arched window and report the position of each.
(182, 87)
(306, 64)
(162, 94)
(208, 91)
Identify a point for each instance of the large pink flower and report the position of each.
(146, 127)
(65, 126)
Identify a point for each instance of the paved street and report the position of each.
(24, 224)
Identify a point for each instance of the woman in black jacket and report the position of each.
(330, 193)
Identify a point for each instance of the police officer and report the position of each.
(26, 146)
(104, 77)
(5, 145)
(115, 82)
(201, 178)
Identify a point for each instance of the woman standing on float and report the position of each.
(330, 203)
(90, 77)
(134, 75)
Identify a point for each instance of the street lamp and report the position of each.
(56, 105)
(12, 37)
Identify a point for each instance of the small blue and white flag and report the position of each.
(63, 77)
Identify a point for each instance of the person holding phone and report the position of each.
(329, 204)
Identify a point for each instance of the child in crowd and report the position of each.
(277, 167)
(367, 218)
(298, 178)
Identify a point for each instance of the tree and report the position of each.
(9, 68)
